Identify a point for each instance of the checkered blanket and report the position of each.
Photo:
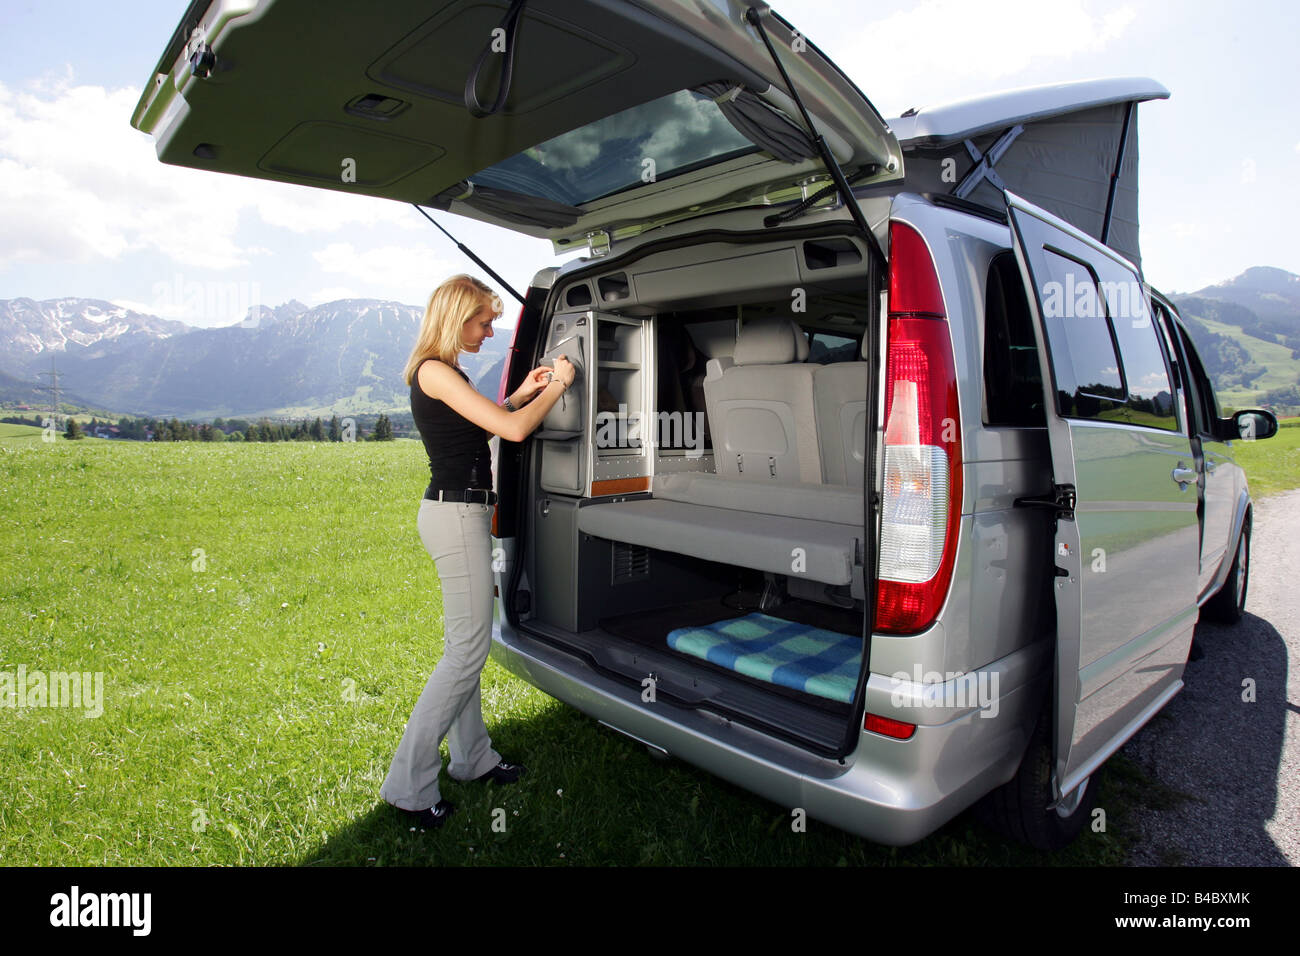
(792, 655)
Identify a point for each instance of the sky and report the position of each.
(86, 209)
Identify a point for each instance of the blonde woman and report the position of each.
(454, 524)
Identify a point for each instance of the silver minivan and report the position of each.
(887, 487)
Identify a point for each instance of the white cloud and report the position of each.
(78, 184)
(938, 50)
(407, 273)
(1248, 171)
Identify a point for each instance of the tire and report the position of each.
(1229, 604)
(1019, 808)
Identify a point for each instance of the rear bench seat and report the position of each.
(745, 523)
(784, 499)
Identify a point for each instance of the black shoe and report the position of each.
(503, 773)
(433, 817)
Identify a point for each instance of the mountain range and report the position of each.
(340, 357)
(1247, 331)
(347, 356)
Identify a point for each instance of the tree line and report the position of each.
(221, 429)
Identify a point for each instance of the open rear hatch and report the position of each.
(617, 116)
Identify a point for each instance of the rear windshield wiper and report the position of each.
(804, 205)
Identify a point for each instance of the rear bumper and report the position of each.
(889, 791)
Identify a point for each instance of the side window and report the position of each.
(1105, 350)
(1207, 405)
(1146, 373)
(1189, 411)
(1013, 379)
(1084, 359)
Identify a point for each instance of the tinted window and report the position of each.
(1150, 394)
(677, 131)
(1105, 351)
(1013, 380)
(1177, 366)
(1088, 380)
(826, 347)
(1205, 402)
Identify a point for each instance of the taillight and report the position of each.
(921, 503)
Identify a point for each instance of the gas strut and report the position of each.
(469, 252)
(850, 201)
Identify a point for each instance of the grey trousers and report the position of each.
(458, 538)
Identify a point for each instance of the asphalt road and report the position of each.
(1227, 771)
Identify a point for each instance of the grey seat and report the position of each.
(840, 397)
(818, 502)
(823, 551)
(760, 406)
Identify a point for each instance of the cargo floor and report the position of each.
(650, 628)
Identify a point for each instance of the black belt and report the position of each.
(462, 495)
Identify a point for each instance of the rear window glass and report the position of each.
(826, 347)
(643, 144)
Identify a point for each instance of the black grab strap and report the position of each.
(511, 26)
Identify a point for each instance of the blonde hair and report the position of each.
(450, 306)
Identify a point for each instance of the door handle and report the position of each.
(1210, 466)
(1183, 476)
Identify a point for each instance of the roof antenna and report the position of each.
(469, 252)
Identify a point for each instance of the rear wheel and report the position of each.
(1022, 808)
(1227, 606)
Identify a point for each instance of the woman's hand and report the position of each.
(533, 382)
(564, 371)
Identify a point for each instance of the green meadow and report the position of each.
(264, 616)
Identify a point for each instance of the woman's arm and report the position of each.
(519, 401)
(440, 382)
(533, 383)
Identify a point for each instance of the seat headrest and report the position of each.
(770, 341)
(801, 346)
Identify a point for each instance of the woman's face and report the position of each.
(477, 328)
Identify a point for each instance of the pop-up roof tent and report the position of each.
(1071, 148)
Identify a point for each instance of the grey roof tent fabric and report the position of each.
(1062, 158)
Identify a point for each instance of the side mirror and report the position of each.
(1251, 424)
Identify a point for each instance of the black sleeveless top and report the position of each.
(457, 448)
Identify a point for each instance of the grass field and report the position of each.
(21, 434)
(264, 617)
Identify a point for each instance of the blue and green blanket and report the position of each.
(792, 655)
